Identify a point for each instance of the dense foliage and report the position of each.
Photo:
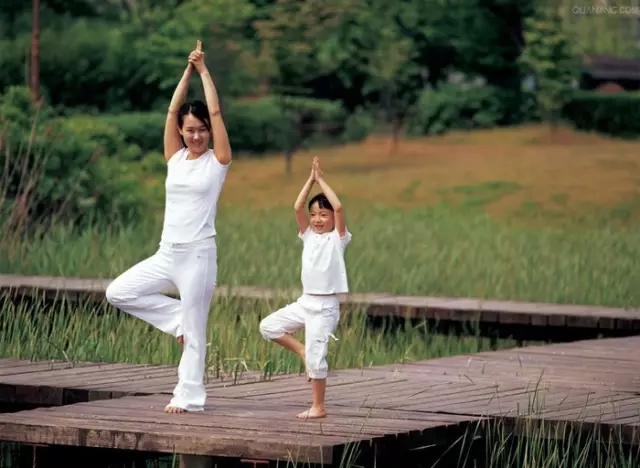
(291, 74)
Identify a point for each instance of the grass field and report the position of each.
(82, 333)
(521, 175)
(503, 214)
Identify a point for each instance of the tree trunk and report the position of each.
(397, 125)
(288, 161)
(554, 126)
(35, 51)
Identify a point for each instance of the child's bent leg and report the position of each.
(197, 281)
(319, 329)
(279, 326)
(137, 292)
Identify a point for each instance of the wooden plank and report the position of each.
(520, 364)
(418, 395)
(278, 388)
(174, 439)
(10, 367)
(241, 416)
(57, 383)
(224, 419)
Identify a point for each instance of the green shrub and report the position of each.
(265, 125)
(86, 65)
(310, 122)
(612, 114)
(143, 129)
(108, 137)
(358, 126)
(276, 123)
(452, 107)
(255, 127)
(64, 167)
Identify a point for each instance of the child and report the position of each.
(324, 235)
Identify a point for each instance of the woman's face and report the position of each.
(195, 134)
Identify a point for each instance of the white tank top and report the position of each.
(193, 188)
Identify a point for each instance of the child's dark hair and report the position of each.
(198, 109)
(322, 200)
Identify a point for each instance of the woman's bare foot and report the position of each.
(173, 409)
(181, 339)
(312, 413)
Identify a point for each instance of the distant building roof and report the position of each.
(606, 67)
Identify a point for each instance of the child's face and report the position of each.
(321, 219)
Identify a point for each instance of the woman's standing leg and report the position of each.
(137, 292)
(196, 278)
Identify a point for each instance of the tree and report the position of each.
(365, 53)
(287, 59)
(607, 34)
(551, 58)
(172, 34)
(35, 51)
(291, 34)
(391, 62)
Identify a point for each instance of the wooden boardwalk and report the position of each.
(536, 315)
(57, 383)
(584, 384)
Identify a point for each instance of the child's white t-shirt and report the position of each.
(323, 266)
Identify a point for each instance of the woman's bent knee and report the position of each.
(113, 294)
(116, 295)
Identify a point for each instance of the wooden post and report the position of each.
(195, 461)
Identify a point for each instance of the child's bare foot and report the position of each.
(173, 409)
(313, 413)
(181, 339)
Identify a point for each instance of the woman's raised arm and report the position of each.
(221, 146)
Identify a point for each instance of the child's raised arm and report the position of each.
(301, 215)
(338, 212)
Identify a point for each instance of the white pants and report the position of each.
(319, 315)
(192, 269)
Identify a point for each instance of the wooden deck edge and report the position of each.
(174, 443)
(562, 428)
(539, 427)
(81, 435)
(373, 304)
(197, 449)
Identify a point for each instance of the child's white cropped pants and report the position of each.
(192, 268)
(319, 315)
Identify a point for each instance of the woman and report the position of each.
(187, 255)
